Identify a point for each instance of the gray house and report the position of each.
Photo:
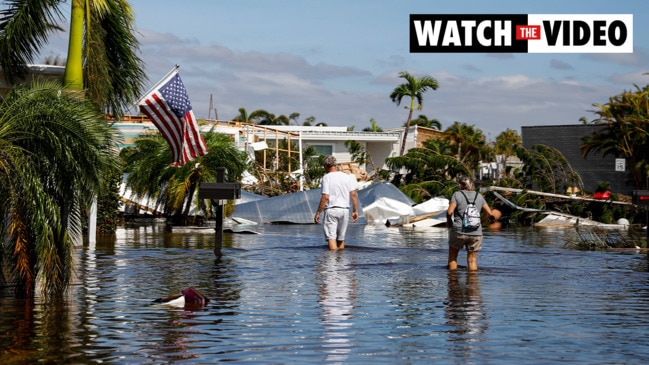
(567, 139)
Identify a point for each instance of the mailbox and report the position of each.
(641, 197)
(219, 191)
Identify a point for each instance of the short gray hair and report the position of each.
(465, 183)
(330, 161)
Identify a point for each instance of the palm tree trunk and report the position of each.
(405, 132)
(188, 204)
(73, 77)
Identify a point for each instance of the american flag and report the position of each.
(169, 108)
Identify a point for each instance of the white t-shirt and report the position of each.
(337, 185)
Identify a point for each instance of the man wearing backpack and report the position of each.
(466, 230)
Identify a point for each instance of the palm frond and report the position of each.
(56, 152)
(24, 28)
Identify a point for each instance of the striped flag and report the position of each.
(169, 108)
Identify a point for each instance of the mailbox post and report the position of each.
(217, 192)
(641, 197)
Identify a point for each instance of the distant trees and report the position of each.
(423, 121)
(374, 127)
(469, 145)
(506, 144)
(263, 117)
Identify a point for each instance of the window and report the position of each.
(325, 150)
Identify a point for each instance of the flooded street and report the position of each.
(280, 297)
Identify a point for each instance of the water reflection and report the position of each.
(280, 297)
(338, 284)
(464, 310)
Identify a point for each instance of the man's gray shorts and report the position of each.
(335, 223)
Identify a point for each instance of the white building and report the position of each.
(327, 140)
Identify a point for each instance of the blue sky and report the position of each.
(339, 61)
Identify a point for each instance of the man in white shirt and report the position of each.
(337, 189)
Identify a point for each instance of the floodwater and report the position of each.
(280, 297)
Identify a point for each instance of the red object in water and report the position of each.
(193, 296)
(602, 195)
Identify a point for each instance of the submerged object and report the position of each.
(189, 298)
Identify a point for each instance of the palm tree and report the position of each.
(56, 153)
(262, 117)
(547, 169)
(102, 51)
(413, 88)
(309, 121)
(423, 121)
(174, 189)
(374, 127)
(294, 117)
(625, 132)
(71, 160)
(506, 143)
(469, 143)
(243, 116)
(357, 151)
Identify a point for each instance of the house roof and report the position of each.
(48, 71)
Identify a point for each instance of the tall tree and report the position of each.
(65, 153)
(102, 50)
(413, 88)
(56, 153)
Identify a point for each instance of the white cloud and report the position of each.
(339, 94)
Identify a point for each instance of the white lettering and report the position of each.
(582, 33)
(452, 35)
(427, 35)
(468, 32)
(502, 33)
(482, 39)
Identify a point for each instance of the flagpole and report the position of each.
(301, 163)
(163, 79)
